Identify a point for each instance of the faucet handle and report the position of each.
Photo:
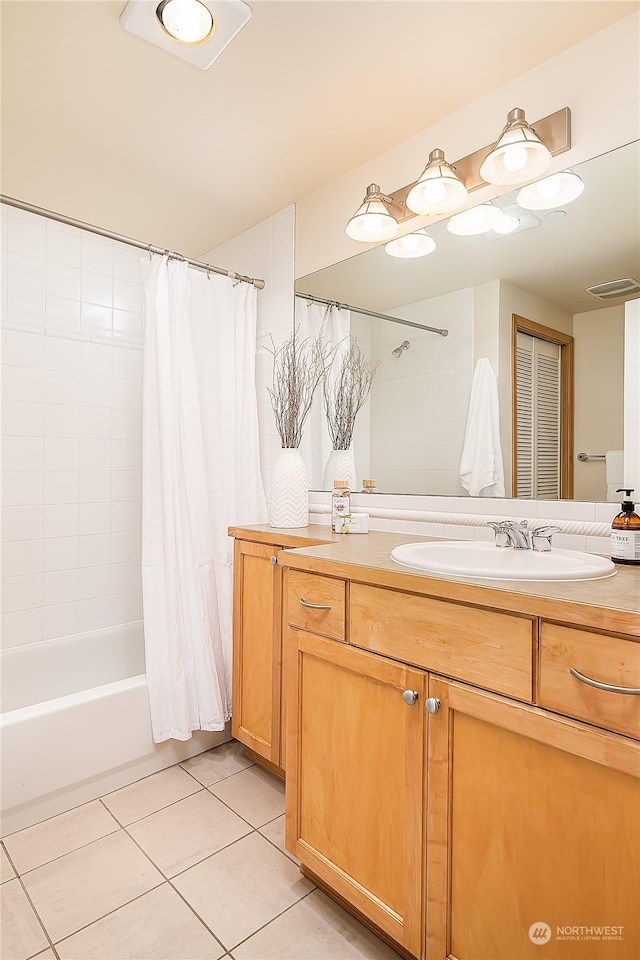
(541, 537)
(500, 529)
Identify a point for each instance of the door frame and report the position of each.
(565, 342)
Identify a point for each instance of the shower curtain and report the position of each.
(201, 473)
(334, 324)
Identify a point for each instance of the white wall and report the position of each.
(265, 251)
(632, 389)
(71, 430)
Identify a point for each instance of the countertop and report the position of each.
(611, 604)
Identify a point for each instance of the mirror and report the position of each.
(410, 433)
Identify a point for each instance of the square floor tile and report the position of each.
(217, 764)
(254, 794)
(153, 793)
(242, 887)
(157, 926)
(188, 831)
(47, 955)
(60, 835)
(315, 929)
(84, 885)
(6, 870)
(274, 831)
(22, 935)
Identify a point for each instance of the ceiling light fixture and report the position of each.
(506, 224)
(416, 244)
(518, 156)
(188, 21)
(372, 221)
(439, 189)
(193, 30)
(477, 220)
(554, 191)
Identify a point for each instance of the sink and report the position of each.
(470, 558)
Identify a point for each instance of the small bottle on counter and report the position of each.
(625, 532)
(340, 501)
(368, 486)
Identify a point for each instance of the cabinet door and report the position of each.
(355, 780)
(257, 648)
(533, 833)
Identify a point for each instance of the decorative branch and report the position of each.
(298, 368)
(345, 395)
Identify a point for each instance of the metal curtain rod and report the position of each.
(90, 228)
(372, 313)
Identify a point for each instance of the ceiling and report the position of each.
(103, 127)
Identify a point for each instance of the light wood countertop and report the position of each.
(612, 604)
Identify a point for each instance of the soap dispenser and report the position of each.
(625, 532)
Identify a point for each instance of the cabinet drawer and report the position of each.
(610, 660)
(317, 603)
(487, 649)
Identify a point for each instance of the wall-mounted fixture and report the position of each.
(397, 353)
(416, 244)
(518, 156)
(522, 153)
(193, 30)
(476, 220)
(554, 191)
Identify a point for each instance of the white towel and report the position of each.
(614, 466)
(481, 468)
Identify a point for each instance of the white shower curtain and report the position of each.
(201, 473)
(334, 324)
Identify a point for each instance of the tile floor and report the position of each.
(187, 864)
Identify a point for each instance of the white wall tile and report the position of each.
(22, 488)
(95, 486)
(25, 273)
(27, 237)
(95, 423)
(127, 262)
(94, 518)
(126, 454)
(95, 391)
(24, 349)
(61, 420)
(126, 485)
(127, 325)
(22, 419)
(63, 281)
(26, 308)
(61, 387)
(96, 320)
(126, 424)
(96, 358)
(95, 454)
(127, 296)
(127, 364)
(22, 523)
(21, 593)
(97, 288)
(60, 586)
(126, 578)
(60, 553)
(22, 558)
(94, 582)
(23, 383)
(94, 550)
(61, 520)
(61, 486)
(62, 314)
(61, 453)
(60, 620)
(127, 394)
(97, 255)
(23, 626)
(62, 246)
(126, 516)
(126, 546)
(62, 354)
(22, 453)
(93, 614)
(126, 608)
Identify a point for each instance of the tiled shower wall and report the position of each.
(71, 430)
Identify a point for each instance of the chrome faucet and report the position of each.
(515, 534)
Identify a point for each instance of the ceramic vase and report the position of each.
(289, 505)
(340, 466)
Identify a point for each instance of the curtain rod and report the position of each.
(149, 247)
(372, 313)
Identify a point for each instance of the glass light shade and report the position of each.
(477, 220)
(506, 224)
(439, 189)
(188, 21)
(372, 221)
(553, 191)
(518, 156)
(416, 244)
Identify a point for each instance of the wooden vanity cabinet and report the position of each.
(533, 823)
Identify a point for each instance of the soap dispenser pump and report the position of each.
(625, 532)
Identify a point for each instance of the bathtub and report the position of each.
(75, 723)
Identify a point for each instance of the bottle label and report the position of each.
(625, 545)
(341, 506)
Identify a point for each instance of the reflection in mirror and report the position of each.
(484, 289)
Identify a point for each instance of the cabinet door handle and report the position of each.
(432, 704)
(314, 606)
(273, 559)
(603, 686)
(410, 697)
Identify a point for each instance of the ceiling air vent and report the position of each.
(614, 289)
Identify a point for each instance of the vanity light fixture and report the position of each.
(193, 30)
(439, 189)
(554, 191)
(373, 221)
(518, 156)
(477, 220)
(506, 224)
(416, 244)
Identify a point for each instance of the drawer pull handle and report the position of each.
(314, 606)
(432, 705)
(603, 686)
(410, 697)
(273, 560)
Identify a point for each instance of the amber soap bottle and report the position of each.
(625, 532)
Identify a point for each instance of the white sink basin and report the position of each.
(469, 558)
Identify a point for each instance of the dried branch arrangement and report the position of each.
(345, 394)
(298, 368)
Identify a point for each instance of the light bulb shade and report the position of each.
(439, 189)
(518, 156)
(553, 191)
(416, 244)
(506, 224)
(477, 220)
(372, 221)
(188, 21)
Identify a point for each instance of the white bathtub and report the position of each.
(75, 723)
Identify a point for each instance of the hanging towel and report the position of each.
(481, 469)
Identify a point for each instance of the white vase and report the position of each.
(289, 505)
(340, 466)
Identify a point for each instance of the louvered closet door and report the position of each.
(537, 418)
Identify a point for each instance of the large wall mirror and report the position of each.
(500, 296)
